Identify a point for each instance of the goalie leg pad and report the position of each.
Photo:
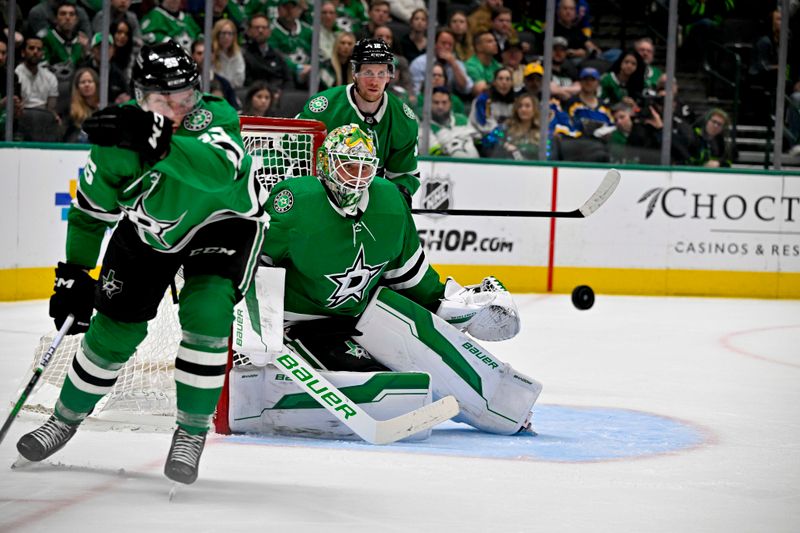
(265, 400)
(406, 337)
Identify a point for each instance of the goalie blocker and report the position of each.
(411, 341)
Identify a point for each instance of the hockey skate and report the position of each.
(183, 459)
(43, 442)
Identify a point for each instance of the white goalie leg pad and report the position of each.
(258, 317)
(486, 311)
(264, 400)
(406, 337)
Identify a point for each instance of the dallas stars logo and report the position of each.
(111, 286)
(145, 223)
(354, 281)
(355, 350)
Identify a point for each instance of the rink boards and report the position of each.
(664, 231)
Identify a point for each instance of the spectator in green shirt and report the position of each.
(482, 66)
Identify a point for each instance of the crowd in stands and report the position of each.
(605, 105)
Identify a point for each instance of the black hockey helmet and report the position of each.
(164, 68)
(372, 52)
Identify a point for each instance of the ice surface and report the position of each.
(657, 415)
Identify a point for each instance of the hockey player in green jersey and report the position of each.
(361, 296)
(365, 102)
(171, 172)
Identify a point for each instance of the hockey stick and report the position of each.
(37, 373)
(353, 416)
(598, 198)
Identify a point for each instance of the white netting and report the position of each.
(145, 390)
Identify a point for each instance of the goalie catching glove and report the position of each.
(133, 128)
(485, 311)
(73, 293)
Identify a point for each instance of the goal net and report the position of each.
(144, 394)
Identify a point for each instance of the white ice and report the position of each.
(728, 367)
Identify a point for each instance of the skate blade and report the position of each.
(173, 491)
(20, 462)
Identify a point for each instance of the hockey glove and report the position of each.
(73, 293)
(147, 133)
(485, 311)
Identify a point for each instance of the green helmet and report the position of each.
(346, 164)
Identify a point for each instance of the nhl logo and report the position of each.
(437, 193)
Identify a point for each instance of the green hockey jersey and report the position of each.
(205, 178)
(295, 44)
(394, 128)
(57, 50)
(159, 25)
(334, 263)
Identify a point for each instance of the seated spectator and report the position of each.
(262, 62)
(714, 147)
(292, 37)
(39, 91)
(482, 66)
(401, 85)
(227, 59)
(403, 10)
(84, 101)
(494, 106)
(258, 101)
(502, 29)
(167, 22)
(512, 59)
(636, 138)
(125, 48)
(583, 18)
(42, 16)
(624, 82)
(64, 44)
(458, 79)
(439, 79)
(328, 29)
(220, 10)
(680, 109)
(451, 133)
(518, 137)
(220, 83)
(414, 43)
(17, 91)
(118, 85)
(458, 25)
(579, 46)
(336, 70)
(378, 15)
(645, 48)
(120, 12)
(481, 18)
(564, 83)
(587, 112)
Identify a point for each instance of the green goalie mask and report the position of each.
(346, 164)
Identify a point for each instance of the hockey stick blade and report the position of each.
(353, 416)
(37, 373)
(598, 198)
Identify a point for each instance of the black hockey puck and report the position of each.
(583, 297)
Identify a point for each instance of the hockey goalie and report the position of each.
(345, 284)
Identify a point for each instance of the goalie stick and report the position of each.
(37, 373)
(353, 416)
(598, 198)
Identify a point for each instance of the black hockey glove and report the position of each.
(132, 128)
(73, 293)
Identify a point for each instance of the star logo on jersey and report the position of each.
(283, 201)
(198, 120)
(409, 113)
(318, 104)
(110, 285)
(354, 281)
(145, 223)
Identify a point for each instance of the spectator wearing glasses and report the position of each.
(227, 56)
(713, 146)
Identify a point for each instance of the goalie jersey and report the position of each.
(393, 127)
(170, 200)
(334, 263)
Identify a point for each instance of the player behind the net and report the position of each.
(366, 102)
(170, 171)
(361, 296)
